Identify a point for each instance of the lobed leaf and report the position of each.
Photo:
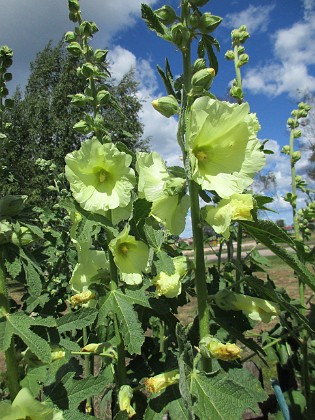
(76, 320)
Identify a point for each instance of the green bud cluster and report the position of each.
(306, 218)
(240, 35)
(198, 3)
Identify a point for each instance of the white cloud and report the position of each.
(294, 54)
(27, 26)
(256, 18)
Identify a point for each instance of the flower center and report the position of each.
(201, 156)
(103, 175)
(124, 249)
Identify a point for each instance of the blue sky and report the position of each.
(281, 50)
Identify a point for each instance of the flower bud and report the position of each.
(229, 55)
(74, 48)
(303, 105)
(93, 348)
(11, 205)
(199, 64)
(296, 156)
(167, 105)
(73, 6)
(166, 15)
(211, 347)
(292, 123)
(70, 37)
(23, 237)
(103, 96)
(202, 80)
(100, 55)
(88, 69)
(285, 150)
(297, 133)
(88, 28)
(239, 35)
(124, 400)
(159, 382)
(208, 22)
(180, 35)
(194, 19)
(243, 59)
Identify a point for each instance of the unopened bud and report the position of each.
(199, 64)
(194, 19)
(243, 59)
(208, 23)
(23, 237)
(229, 55)
(297, 133)
(292, 123)
(180, 35)
(285, 150)
(82, 298)
(166, 15)
(202, 80)
(167, 105)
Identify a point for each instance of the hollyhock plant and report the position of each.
(223, 146)
(257, 309)
(130, 256)
(236, 207)
(166, 192)
(170, 285)
(100, 176)
(213, 348)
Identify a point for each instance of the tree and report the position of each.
(42, 121)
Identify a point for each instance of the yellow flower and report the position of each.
(255, 308)
(159, 382)
(124, 400)
(170, 285)
(212, 347)
(236, 207)
(223, 147)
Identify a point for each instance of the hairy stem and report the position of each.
(10, 355)
(199, 258)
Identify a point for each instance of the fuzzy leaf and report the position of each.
(164, 263)
(69, 392)
(14, 268)
(77, 320)
(20, 324)
(170, 402)
(154, 234)
(224, 395)
(153, 22)
(121, 304)
(208, 42)
(270, 235)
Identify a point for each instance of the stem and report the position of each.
(87, 370)
(199, 258)
(121, 366)
(10, 355)
(238, 257)
(237, 68)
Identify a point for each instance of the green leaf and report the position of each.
(77, 320)
(14, 268)
(153, 22)
(154, 234)
(68, 393)
(121, 304)
(270, 235)
(164, 263)
(226, 395)
(170, 402)
(208, 42)
(5, 334)
(34, 378)
(20, 324)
